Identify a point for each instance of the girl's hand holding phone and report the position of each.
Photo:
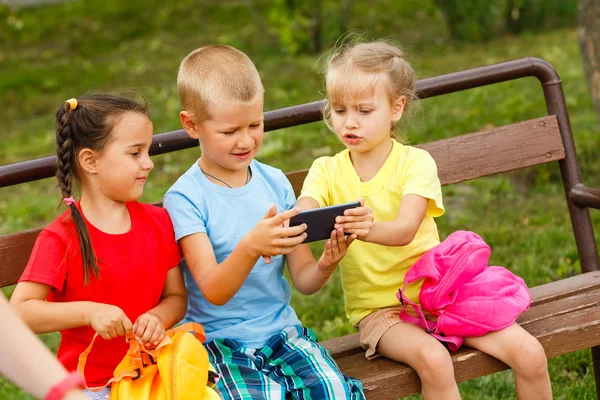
(335, 249)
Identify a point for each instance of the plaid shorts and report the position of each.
(291, 365)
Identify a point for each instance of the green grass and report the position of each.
(52, 53)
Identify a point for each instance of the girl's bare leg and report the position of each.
(409, 344)
(524, 354)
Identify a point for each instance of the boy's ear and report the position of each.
(188, 123)
(398, 108)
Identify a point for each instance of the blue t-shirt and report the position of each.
(261, 307)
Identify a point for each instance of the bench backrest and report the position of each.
(459, 159)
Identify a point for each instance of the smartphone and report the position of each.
(320, 221)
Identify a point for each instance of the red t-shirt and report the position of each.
(133, 270)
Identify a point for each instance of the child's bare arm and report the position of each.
(26, 361)
(400, 232)
(150, 327)
(308, 275)
(29, 301)
(307, 203)
(220, 282)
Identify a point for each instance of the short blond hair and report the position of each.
(353, 68)
(216, 74)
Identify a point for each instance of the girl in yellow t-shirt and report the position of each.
(369, 86)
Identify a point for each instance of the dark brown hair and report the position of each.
(88, 125)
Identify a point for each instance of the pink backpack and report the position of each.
(469, 298)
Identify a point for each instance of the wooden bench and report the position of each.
(565, 314)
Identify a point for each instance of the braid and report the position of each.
(65, 161)
(64, 156)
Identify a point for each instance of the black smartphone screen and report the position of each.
(320, 221)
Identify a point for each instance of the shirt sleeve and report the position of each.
(185, 216)
(289, 199)
(420, 177)
(316, 184)
(173, 248)
(47, 262)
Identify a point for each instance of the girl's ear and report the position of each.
(88, 160)
(398, 108)
(188, 123)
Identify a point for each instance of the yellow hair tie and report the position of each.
(72, 103)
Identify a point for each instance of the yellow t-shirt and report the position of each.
(371, 273)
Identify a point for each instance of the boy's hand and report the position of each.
(109, 321)
(270, 237)
(335, 250)
(149, 330)
(357, 221)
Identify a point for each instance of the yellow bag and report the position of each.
(178, 369)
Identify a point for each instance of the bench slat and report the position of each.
(392, 380)
(562, 324)
(14, 253)
(542, 294)
(488, 152)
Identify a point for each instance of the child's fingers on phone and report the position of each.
(349, 239)
(358, 211)
(283, 216)
(289, 241)
(349, 225)
(333, 241)
(292, 231)
(286, 249)
(356, 232)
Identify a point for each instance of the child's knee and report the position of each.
(529, 358)
(434, 364)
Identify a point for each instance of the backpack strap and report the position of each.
(453, 342)
(192, 327)
(133, 351)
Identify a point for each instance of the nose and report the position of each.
(245, 139)
(351, 121)
(148, 163)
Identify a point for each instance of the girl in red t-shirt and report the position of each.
(108, 264)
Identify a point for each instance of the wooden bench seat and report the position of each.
(564, 316)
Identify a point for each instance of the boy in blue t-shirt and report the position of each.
(230, 214)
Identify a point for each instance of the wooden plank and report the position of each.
(488, 152)
(584, 285)
(565, 287)
(574, 325)
(14, 253)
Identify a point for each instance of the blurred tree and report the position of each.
(588, 35)
(472, 20)
(303, 26)
(477, 20)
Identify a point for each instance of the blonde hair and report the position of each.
(355, 67)
(216, 74)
